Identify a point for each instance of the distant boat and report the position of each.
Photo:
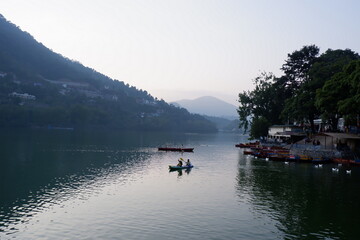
(174, 149)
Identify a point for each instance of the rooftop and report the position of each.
(341, 135)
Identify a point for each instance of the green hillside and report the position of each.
(40, 88)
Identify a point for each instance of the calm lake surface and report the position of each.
(70, 185)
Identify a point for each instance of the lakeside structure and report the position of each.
(326, 140)
(285, 133)
(329, 145)
(24, 96)
(292, 143)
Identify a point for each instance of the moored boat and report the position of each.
(355, 162)
(317, 160)
(279, 157)
(293, 157)
(305, 159)
(341, 161)
(248, 152)
(248, 145)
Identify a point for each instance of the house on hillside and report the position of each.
(24, 96)
(65, 83)
(145, 101)
(286, 133)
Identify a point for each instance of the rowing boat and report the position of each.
(174, 149)
(179, 168)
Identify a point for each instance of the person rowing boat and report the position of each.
(180, 162)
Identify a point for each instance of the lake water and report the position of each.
(70, 185)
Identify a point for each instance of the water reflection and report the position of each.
(71, 185)
(180, 171)
(61, 188)
(39, 169)
(64, 184)
(307, 202)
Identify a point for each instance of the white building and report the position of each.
(285, 131)
(23, 96)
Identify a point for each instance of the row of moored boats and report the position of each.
(278, 153)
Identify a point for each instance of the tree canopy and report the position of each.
(311, 87)
(266, 100)
(341, 94)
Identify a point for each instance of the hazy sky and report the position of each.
(178, 49)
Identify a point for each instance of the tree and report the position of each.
(351, 104)
(255, 103)
(259, 127)
(330, 63)
(298, 64)
(245, 109)
(312, 86)
(265, 101)
(341, 94)
(302, 106)
(296, 68)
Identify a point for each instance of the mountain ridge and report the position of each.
(39, 88)
(208, 105)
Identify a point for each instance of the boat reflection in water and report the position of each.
(180, 171)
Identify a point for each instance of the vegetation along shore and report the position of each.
(313, 107)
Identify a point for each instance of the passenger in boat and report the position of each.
(188, 163)
(179, 163)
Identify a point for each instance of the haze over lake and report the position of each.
(72, 185)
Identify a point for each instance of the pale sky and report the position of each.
(177, 49)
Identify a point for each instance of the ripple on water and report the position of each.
(114, 193)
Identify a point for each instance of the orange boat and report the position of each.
(305, 158)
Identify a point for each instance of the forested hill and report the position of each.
(40, 88)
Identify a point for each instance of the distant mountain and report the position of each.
(225, 125)
(209, 106)
(40, 88)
